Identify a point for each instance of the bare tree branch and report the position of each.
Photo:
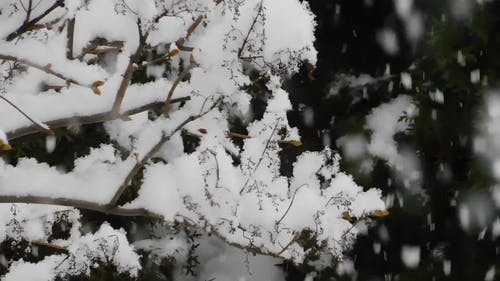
(166, 107)
(45, 68)
(38, 125)
(120, 94)
(82, 120)
(40, 243)
(127, 76)
(80, 204)
(124, 212)
(129, 72)
(295, 238)
(98, 42)
(28, 24)
(28, 11)
(70, 38)
(291, 203)
(245, 40)
(190, 30)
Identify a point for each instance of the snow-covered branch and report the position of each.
(85, 120)
(174, 158)
(79, 204)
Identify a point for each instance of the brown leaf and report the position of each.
(381, 213)
(98, 83)
(174, 52)
(296, 143)
(310, 75)
(95, 87)
(346, 216)
(5, 146)
(191, 59)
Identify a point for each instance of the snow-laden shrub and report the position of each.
(158, 72)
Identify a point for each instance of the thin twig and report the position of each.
(70, 38)
(40, 126)
(242, 136)
(129, 72)
(261, 157)
(164, 57)
(190, 30)
(28, 24)
(182, 75)
(127, 76)
(28, 11)
(291, 203)
(355, 224)
(245, 40)
(294, 239)
(217, 169)
(49, 245)
(120, 94)
(238, 135)
(45, 68)
(96, 43)
(47, 25)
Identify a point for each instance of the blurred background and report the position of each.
(408, 93)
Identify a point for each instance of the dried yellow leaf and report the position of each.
(125, 118)
(174, 53)
(98, 83)
(296, 143)
(5, 146)
(381, 213)
(191, 59)
(95, 87)
(346, 216)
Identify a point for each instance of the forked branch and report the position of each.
(28, 24)
(138, 167)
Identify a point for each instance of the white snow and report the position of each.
(384, 122)
(388, 40)
(447, 267)
(406, 80)
(246, 202)
(353, 146)
(50, 143)
(475, 76)
(411, 18)
(437, 96)
(410, 255)
(490, 274)
(461, 58)
(95, 177)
